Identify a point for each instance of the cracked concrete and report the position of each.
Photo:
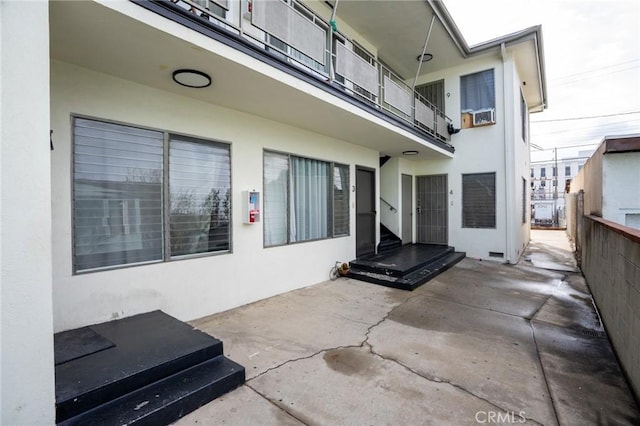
(482, 343)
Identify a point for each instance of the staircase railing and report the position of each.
(393, 209)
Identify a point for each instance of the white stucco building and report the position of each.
(163, 115)
(610, 180)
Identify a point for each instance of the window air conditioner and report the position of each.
(484, 117)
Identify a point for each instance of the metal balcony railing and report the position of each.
(297, 35)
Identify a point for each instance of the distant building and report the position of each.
(549, 181)
(610, 180)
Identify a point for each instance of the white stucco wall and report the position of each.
(478, 150)
(390, 191)
(620, 186)
(188, 288)
(26, 329)
(521, 163)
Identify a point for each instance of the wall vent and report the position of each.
(496, 254)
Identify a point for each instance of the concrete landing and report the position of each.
(482, 343)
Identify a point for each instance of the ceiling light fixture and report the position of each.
(191, 78)
(425, 58)
(410, 152)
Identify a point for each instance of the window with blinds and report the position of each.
(479, 200)
(304, 199)
(340, 200)
(200, 196)
(477, 91)
(124, 211)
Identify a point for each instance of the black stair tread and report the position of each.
(147, 347)
(166, 400)
(413, 279)
(403, 260)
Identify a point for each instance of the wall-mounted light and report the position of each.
(410, 152)
(425, 58)
(191, 78)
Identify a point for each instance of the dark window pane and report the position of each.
(340, 200)
(479, 200)
(200, 196)
(478, 91)
(118, 172)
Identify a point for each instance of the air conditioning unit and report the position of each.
(484, 117)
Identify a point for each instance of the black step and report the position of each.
(145, 349)
(388, 244)
(169, 399)
(410, 273)
(401, 262)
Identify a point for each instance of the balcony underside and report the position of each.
(130, 42)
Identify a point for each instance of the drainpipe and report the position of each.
(333, 28)
(508, 155)
(424, 50)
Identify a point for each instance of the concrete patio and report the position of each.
(483, 343)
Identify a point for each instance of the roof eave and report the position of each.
(532, 33)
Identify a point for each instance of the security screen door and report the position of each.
(431, 209)
(365, 211)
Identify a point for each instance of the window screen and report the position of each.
(340, 200)
(200, 196)
(117, 187)
(304, 199)
(479, 200)
(121, 211)
(478, 91)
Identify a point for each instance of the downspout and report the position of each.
(508, 165)
(424, 50)
(333, 28)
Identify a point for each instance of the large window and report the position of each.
(479, 200)
(478, 91)
(136, 200)
(304, 199)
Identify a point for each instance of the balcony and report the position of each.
(303, 40)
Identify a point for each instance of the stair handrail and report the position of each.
(393, 209)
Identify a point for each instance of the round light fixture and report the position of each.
(425, 58)
(410, 152)
(191, 78)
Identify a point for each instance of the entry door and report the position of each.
(432, 210)
(407, 208)
(365, 211)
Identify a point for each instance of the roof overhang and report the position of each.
(399, 29)
(126, 41)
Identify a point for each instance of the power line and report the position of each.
(586, 118)
(596, 69)
(573, 128)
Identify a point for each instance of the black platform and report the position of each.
(407, 267)
(149, 369)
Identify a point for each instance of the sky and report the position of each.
(592, 59)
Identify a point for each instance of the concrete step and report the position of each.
(99, 365)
